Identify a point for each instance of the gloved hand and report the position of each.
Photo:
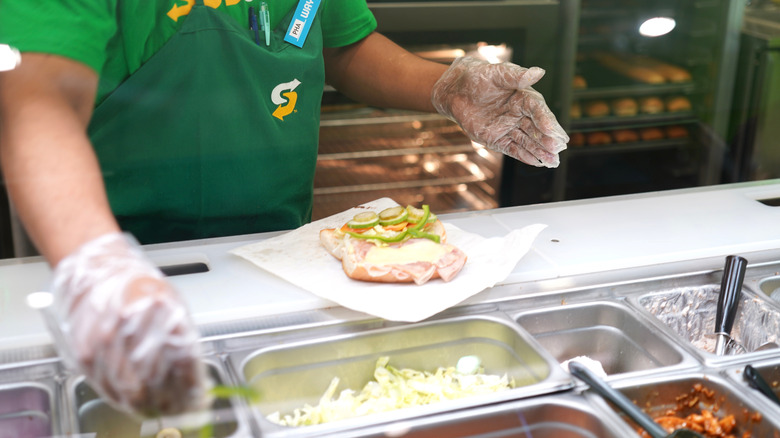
(495, 106)
(119, 322)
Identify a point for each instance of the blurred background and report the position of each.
(655, 95)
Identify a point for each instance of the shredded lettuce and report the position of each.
(393, 389)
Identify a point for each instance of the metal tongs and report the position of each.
(728, 302)
(633, 411)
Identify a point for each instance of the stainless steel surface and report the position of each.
(28, 400)
(25, 410)
(562, 416)
(526, 330)
(605, 331)
(298, 373)
(91, 415)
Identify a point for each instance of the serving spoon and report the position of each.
(728, 303)
(627, 406)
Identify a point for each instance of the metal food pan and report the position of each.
(25, 411)
(771, 287)
(28, 400)
(560, 416)
(769, 370)
(690, 314)
(291, 375)
(605, 331)
(95, 417)
(657, 395)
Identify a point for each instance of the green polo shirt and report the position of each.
(116, 37)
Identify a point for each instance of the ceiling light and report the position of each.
(657, 26)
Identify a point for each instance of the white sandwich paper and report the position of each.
(298, 257)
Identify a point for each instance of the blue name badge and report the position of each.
(301, 22)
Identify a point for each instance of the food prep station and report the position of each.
(630, 281)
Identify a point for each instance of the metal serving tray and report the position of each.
(28, 401)
(770, 371)
(293, 374)
(690, 314)
(25, 411)
(771, 287)
(658, 394)
(560, 416)
(92, 416)
(606, 331)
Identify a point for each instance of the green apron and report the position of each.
(215, 135)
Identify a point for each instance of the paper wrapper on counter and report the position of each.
(299, 258)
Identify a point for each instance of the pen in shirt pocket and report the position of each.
(265, 22)
(253, 25)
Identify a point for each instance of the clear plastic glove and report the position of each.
(495, 106)
(120, 323)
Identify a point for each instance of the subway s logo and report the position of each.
(183, 7)
(285, 98)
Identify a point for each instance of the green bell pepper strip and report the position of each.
(424, 234)
(423, 220)
(397, 238)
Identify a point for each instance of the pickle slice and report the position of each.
(416, 214)
(366, 219)
(392, 216)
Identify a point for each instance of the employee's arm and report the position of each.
(106, 291)
(48, 163)
(378, 72)
(495, 105)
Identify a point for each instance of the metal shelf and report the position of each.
(639, 146)
(633, 122)
(635, 90)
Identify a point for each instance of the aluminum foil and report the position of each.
(690, 312)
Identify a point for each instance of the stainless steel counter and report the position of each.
(590, 286)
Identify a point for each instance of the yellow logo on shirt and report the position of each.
(183, 7)
(285, 97)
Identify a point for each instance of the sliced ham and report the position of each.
(415, 260)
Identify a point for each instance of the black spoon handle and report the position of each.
(755, 380)
(730, 289)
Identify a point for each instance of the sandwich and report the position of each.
(396, 245)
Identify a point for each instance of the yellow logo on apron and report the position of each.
(178, 11)
(285, 97)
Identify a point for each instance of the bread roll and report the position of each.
(678, 104)
(650, 134)
(651, 105)
(671, 73)
(579, 82)
(624, 107)
(576, 110)
(629, 69)
(676, 131)
(597, 108)
(599, 138)
(625, 136)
